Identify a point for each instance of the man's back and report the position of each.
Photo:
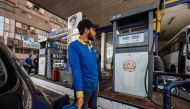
(158, 64)
(35, 61)
(28, 61)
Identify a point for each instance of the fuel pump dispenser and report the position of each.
(133, 59)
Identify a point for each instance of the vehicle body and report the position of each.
(17, 90)
(175, 54)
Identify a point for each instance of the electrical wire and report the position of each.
(145, 78)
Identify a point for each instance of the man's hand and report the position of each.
(79, 103)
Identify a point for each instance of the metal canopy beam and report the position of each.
(134, 11)
(97, 11)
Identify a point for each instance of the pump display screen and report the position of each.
(133, 38)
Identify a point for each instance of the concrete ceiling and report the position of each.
(96, 10)
(174, 19)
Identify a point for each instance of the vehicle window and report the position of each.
(184, 50)
(188, 34)
(3, 73)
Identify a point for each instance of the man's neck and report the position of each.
(84, 38)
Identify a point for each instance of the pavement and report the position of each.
(51, 96)
(178, 104)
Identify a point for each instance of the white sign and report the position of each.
(73, 31)
(43, 51)
(31, 44)
(134, 38)
(42, 63)
(72, 26)
(74, 20)
(1, 19)
(130, 72)
(31, 39)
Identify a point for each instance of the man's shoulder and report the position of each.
(74, 43)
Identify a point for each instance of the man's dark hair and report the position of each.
(85, 23)
(30, 55)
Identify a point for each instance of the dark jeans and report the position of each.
(29, 69)
(90, 99)
(36, 69)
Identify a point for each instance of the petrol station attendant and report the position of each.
(83, 62)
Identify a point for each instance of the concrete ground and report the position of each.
(178, 104)
(52, 95)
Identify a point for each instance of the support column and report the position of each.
(103, 36)
(151, 61)
(156, 43)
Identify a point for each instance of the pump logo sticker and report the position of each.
(129, 65)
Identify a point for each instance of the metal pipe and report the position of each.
(167, 92)
(158, 74)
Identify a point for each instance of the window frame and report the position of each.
(170, 48)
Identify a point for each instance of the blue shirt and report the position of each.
(83, 62)
(28, 61)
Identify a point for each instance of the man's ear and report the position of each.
(86, 30)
